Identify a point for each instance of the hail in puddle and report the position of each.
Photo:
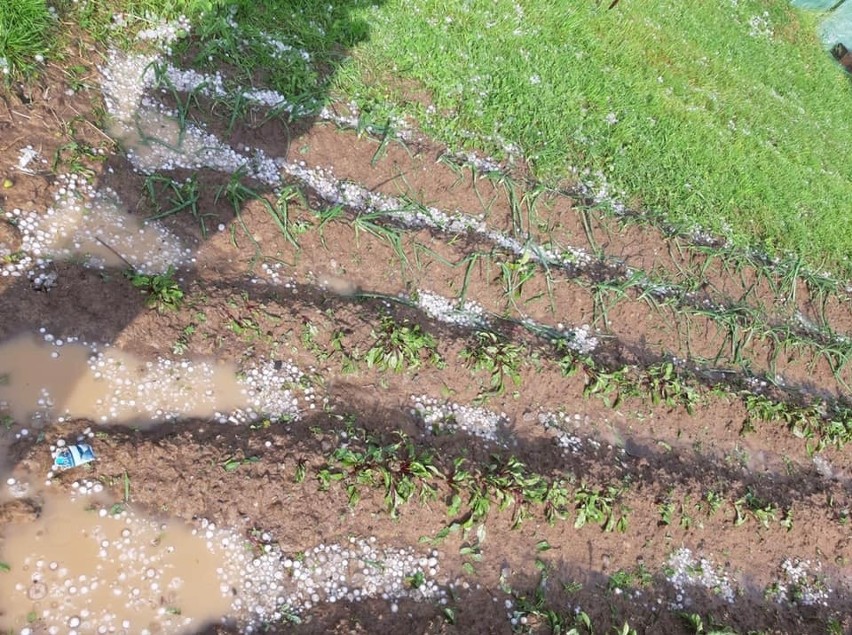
(84, 567)
(441, 417)
(49, 378)
(90, 223)
(91, 566)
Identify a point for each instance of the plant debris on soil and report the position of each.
(342, 379)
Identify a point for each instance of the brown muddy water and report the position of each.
(45, 378)
(84, 567)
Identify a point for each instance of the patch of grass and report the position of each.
(25, 31)
(651, 98)
(172, 197)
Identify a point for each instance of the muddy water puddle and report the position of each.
(94, 227)
(45, 378)
(82, 568)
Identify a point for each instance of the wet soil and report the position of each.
(252, 296)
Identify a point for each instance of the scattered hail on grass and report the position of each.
(684, 570)
(442, 417)
(52, 379)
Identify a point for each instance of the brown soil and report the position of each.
(652, 453)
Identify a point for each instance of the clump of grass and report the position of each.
(25, 27)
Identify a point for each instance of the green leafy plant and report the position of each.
(162, 290)
(490, 352)
(599, 507)
(401, 346)
(233, 462)
(666, 386)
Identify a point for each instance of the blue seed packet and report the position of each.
(73, 456)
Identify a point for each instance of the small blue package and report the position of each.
(73, 456)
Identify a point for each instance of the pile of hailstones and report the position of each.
(273, 587)
(439, 417)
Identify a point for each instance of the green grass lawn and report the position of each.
(24, 36)
(726, 114)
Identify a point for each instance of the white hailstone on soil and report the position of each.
(438, 417)
(799, 584)
(685, 570)
(269, 390)
(560, 423)
(266, 585)
(25, 156)
(468, 315)
(580, 339)
(125, 81)
(482, 164)
(363, 200)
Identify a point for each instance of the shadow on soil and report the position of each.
(105, 303)
(97, 306)
(176, 469)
